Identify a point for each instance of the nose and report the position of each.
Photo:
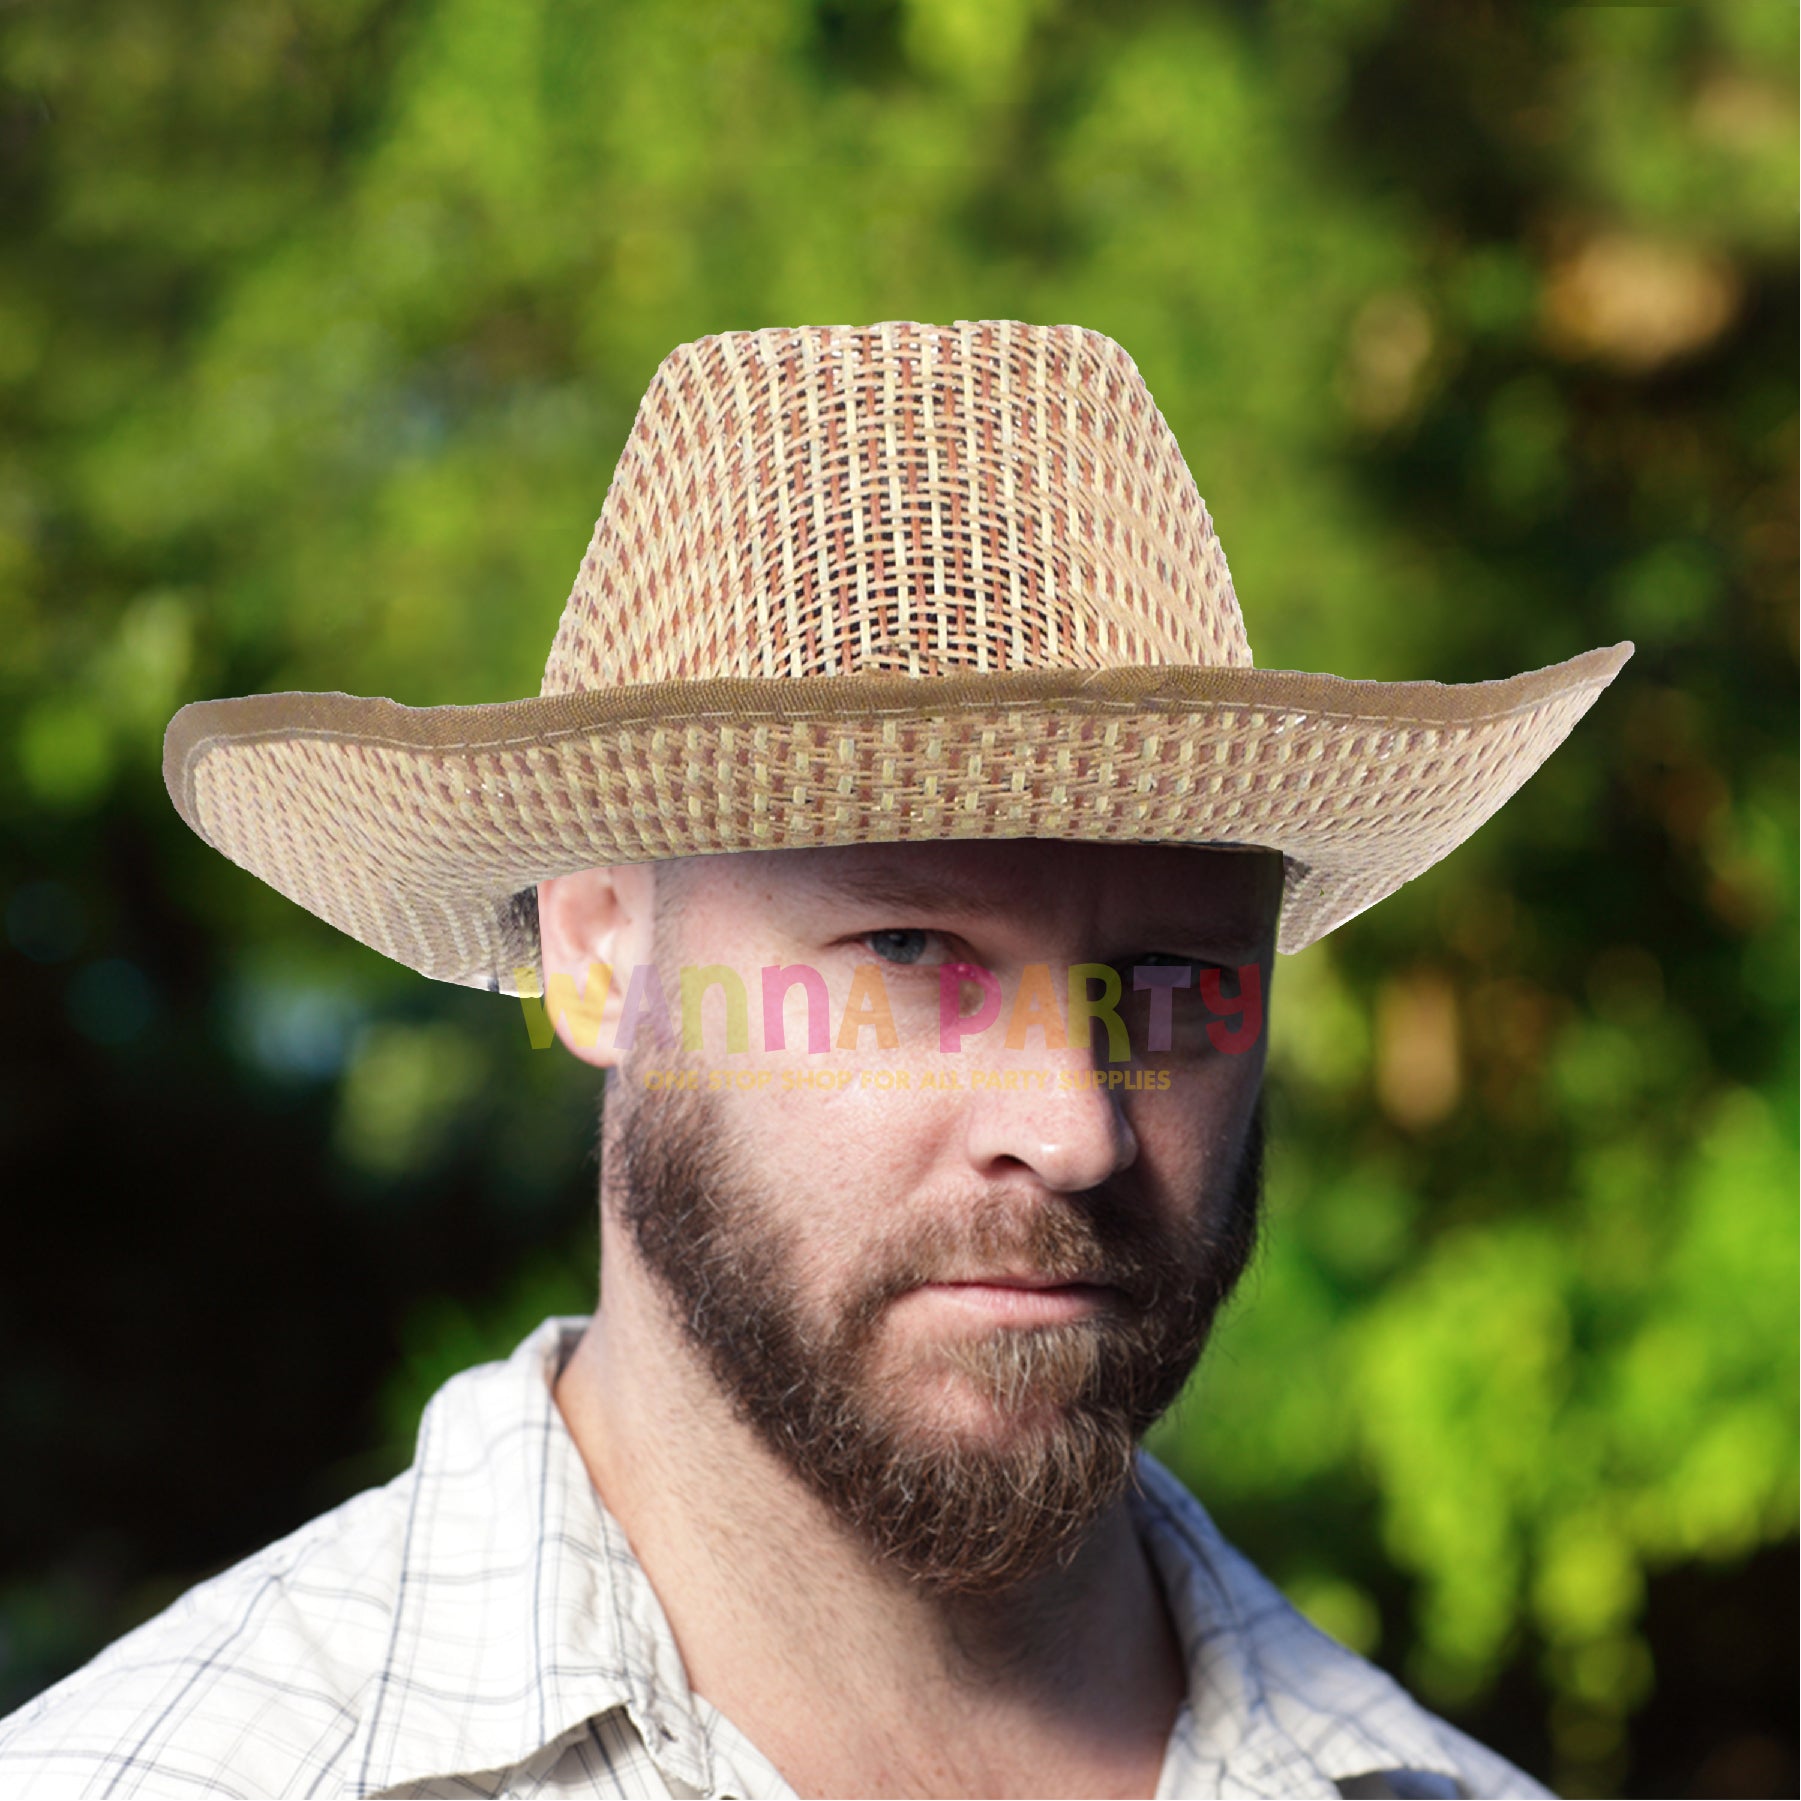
(1063, 1121)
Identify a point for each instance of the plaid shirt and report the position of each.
(480, 1626)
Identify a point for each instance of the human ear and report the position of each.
(594, 927)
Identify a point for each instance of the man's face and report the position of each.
(951, 1303)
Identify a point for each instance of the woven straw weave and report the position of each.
(852, 585)
(988, 497)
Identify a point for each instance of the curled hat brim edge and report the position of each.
(327, 797)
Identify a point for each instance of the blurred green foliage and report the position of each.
(321, 323)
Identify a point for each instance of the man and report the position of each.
(904, 688)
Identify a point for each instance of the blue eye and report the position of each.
(899, 946)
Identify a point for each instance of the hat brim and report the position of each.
(412, 828)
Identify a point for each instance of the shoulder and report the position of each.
(252, 1683)
(1305, 1699)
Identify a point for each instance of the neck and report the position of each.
(1073, 1676)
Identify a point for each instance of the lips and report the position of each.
(1024, 1300)
(1026, 1279)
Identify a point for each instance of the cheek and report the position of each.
(850, 1154)
(1197, 1126)
(841, 1139)
(873, 1119)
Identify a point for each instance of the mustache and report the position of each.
(1102, 1236)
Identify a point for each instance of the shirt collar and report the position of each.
(1275, 1707)
(516, 1578)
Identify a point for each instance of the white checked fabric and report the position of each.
(480, 1627)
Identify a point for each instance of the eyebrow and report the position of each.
(899, 892)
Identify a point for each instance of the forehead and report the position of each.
(1028, 882)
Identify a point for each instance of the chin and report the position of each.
(1003, 1391)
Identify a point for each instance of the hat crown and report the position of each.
(898, 498)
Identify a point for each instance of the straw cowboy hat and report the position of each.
(861, 584)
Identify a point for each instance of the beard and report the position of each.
(956, 1512)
